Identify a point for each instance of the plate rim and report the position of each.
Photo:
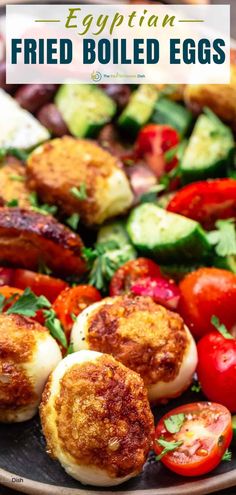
(198, 487)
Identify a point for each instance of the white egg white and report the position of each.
(45, 358)
(88, 475)
(158, 391)
(116, 197)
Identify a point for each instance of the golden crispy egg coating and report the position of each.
(145, 337)
(96, 419)
(28, 354)
(13, 183)
(220, 98)
(58, 166)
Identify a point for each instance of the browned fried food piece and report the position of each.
(28, 354)
(145, 337)
(28, 238)
(13, 183)
(96, 419)
(220, 98)
(59, 167)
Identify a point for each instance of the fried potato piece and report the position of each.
(62, 164)
(220, 98)
(13, 183)
(28, 238)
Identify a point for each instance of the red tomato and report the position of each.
(161, 290)
(45, 285)
(73, 301)
(152, 143)
(8, 292)
(131, 272)
(205, 432)
(204, 293)
(217, 368)
(206, 201)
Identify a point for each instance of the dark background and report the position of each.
(231, 491)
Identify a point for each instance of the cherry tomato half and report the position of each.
(152, 143)
(40, 284)
(202, 431)
(206, 201)
(72, 301)
(131, 272)
(204, 293)
(217, 368)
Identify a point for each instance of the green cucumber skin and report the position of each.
(194, 246)
(91, 125)
(171, 113)
(209, 152)
(144, 98)
(214, 171)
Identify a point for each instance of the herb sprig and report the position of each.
(224, 238)
(27, 304)
(167, 447)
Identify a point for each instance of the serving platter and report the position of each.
(26, 467)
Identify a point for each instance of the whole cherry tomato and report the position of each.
(204, 293)
(192, 439)
(217, 368)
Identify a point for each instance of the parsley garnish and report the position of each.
(18, 178)
(28, 304)
(55, 327)
(79, 193)
(16, 152)
(70, 349)
(224, 238)
(104, 260)
(227, 456)
(174, 423)
(221, 327)
(43, 268)
(178, 152)
(73, 221)
(12, 203)
(196, 387)
(45, 209)
(167, 447)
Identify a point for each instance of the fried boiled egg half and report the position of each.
(145, 337)
(80, 177)
(96, 419)
(28, 354)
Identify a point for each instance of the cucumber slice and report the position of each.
(85, 108)
(209, 151)
(166, 236)
(139, 109)
(173, 114)
(114, 231)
